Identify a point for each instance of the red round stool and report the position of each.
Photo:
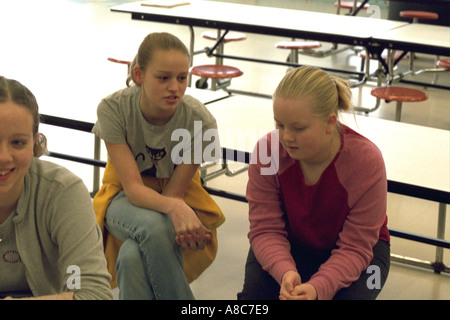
(294, 46)
(231, 36)
(349, 5)
(400, 95)
(418, 15)
(444, 66)
(119, 61)
(125, 62)
(215, 71)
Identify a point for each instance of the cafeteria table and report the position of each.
(271, 21)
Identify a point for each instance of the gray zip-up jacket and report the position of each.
(57, 236)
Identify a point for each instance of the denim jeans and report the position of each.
(150, 262)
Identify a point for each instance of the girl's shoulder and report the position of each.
(43, 171)
(122, 104)
(122, 97)
(124, 93)
(360, 158)
(196, 109)
(192, 104)
(358, 146)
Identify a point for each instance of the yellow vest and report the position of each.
(208, 212)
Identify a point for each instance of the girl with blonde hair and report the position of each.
(318, 224)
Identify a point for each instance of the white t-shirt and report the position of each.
(190, 136)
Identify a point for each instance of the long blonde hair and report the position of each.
(330, 93)
(14, 91)
(152, 42)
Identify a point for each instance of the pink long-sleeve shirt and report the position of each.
(345, 211)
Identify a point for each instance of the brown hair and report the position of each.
(151, 43)
(330, 93)
(14, 91)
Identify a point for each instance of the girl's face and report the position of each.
(163, 82)
(16, 148)
(305, 136)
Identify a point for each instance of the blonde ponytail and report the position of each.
(344, 94)
(330, 93)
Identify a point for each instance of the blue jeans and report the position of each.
(150, 262)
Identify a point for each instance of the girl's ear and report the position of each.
(35, 140)
(331, 122)
(137, 74)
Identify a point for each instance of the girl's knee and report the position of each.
(131, 272)
(138, 223)
(157, 226)
(130, 256)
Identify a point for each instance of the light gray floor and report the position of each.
(58, 48)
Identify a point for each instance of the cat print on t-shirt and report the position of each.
(155, 155)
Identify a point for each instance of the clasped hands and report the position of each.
(292, 288)
(191, 233)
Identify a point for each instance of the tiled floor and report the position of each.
(58, 48)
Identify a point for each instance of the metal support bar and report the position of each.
(66, 123)
(191, 52)
(97, 149)
(224, 170)
(357, 9)
(379, 74)
(89, 161)
(398, 111)
(441, 233)
(219, 40)
(419, 263)
(290, 64)
(400, 78)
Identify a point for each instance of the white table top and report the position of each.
(419, 37)
(414, 155)
(319, 26)
(265, 20)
